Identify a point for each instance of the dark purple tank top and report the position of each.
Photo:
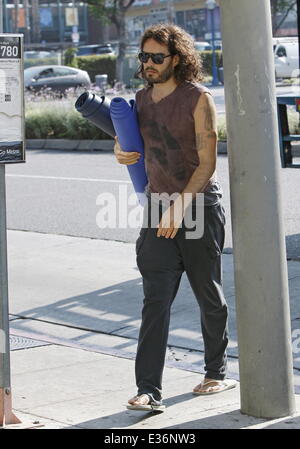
(168, 131)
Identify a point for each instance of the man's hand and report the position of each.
(125, 157)
(171, 220)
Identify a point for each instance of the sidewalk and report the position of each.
(75, 308)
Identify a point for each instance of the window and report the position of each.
(281, 51)
(62, 71)
(46, 73)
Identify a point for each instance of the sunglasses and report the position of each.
(156, 58)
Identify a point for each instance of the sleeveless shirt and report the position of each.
(168, 131)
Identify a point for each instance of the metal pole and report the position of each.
(6, 414)
(4, 323)
(215, 81)
(4, 366)
(60, 11)
(261, 282)
(1, 16)
(5, 17)
(298, 26)
(27, 34)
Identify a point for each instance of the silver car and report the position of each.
(57, 77)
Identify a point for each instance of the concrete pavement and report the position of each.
(75, 308)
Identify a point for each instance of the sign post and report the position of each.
(12, 150)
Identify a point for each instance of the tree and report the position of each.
(280, 10)
(113, 11)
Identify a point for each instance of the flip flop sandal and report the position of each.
(224, 385)
(152, 406)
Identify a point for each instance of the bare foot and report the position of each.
(212, 385)
(142, 399)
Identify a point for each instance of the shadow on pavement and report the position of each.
(236, 420)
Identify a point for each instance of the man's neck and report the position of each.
(163, 89)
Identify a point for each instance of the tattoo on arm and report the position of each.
(202, 139)
(208, 119)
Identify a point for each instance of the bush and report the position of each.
(206, 57)
(70, 57)
(98, 65)
(31, 62)
(222, 135)
(49, 122)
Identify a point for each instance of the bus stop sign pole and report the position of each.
(12, 150)
(6, 414)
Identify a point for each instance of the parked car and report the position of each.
(132, 50)
(38, 54)
(202, 46)
(95, 49)
(56, 77)
(286, 55)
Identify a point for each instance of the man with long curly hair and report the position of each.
(177, 119)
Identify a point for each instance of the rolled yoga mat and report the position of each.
(125, 122)
(117, 117)
(96, 110)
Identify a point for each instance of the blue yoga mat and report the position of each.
(125, 121)
(96, 110)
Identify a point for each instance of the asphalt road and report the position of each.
(60, 192)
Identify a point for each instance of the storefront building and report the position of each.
(193, 16)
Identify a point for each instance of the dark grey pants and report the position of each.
(161, 263)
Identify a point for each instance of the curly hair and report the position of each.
(178, 42)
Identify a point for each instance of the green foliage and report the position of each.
(30, 62)
(280, 6)
(222, 134)
(101, 10)
(46, 120)
(70, 57)
(54, 123)
(206, 57)
(98, 65)
(280, 10)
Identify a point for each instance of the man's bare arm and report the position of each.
(206, 142)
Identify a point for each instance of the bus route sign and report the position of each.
(12, 123)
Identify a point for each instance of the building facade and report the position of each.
(51, 24)
(61, 23)
(191, 15)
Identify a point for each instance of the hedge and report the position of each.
(51, 121)
(46, 121)
(30, 62)
(97, 65)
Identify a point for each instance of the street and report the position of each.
(56, 192)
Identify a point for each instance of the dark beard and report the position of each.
(162, 78)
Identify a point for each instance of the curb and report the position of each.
(85, 145)
(68, 144)
(101, 145)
